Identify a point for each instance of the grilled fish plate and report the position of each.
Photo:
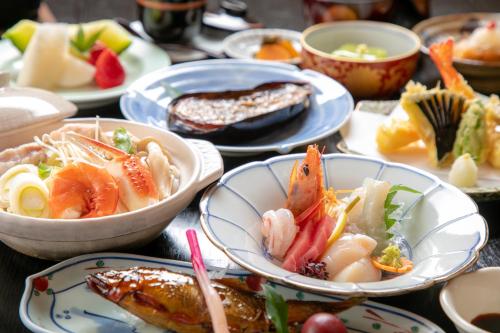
(58, 300)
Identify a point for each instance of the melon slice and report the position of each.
(21, 33)
(113, 35)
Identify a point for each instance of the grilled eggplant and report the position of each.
(436, 115)
(243, 114)
(175, 301)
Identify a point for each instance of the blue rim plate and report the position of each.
(68, 306)
(441, 230)
(146, 99)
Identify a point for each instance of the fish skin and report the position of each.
(175, 301)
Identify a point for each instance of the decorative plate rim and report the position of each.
(27, 292)
(474, 252)
(283, 148)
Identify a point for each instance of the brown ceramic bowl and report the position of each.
(363, 78)
(483, 76)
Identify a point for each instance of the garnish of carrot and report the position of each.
(212, 298)
(407, 265)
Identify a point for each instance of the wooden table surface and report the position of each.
(172, 243)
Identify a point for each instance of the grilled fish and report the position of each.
(175, 301)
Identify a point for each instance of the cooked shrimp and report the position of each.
(442, 56)
(82, 190)
(306, 183)
(134, 179)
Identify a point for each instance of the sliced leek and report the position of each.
(7, 178)
(29, 196)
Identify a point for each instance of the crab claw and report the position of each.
(94, 147)
(135, 182)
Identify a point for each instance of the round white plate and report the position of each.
(68, 306)
(244, 44)
(441, 230)
(139, 59)
(147, 99)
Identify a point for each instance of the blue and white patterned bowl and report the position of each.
(147, 99)
(442, 231)
(64, 304)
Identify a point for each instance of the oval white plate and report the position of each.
(147, 99)
(442, 231)
(359, 137)
(68, 306)
(244, 44)
(139, 59)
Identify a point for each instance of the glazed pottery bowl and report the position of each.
(199, 164)
(470, 295)
(441, 230)
(483, 76)
(363, 78)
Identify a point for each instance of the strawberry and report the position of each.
(109, 71)
(95, 52)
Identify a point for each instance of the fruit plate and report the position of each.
(147, 99)
(57, 300)
(359, 138)
(441, 230)
(139, 59)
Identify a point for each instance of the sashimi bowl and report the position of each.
(198, 164)
(437, 227)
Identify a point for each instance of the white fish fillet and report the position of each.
(367, 216)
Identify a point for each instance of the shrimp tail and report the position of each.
(442, 56)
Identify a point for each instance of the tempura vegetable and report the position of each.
(471, 135)
(435, 114)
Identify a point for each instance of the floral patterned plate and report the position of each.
(57, 300)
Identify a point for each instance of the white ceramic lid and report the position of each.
(25, 107)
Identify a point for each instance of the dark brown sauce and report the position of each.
(489, 322)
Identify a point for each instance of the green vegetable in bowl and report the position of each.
(122, 140)
(360, 52)
(44, 170)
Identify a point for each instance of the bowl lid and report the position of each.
(23, 107)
